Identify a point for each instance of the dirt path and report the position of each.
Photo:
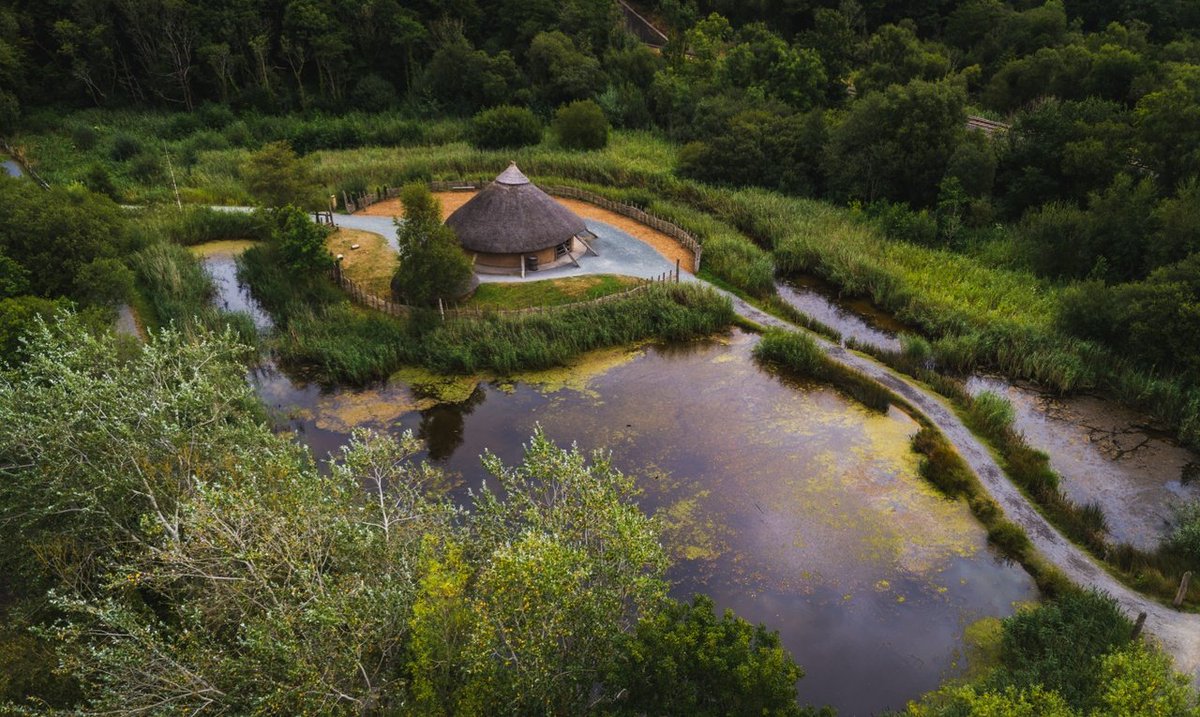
(663, 244)
(1176, 632)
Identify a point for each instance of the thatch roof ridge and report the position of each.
(512, 215)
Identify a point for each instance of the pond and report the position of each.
(1103, 452)
(782, 500)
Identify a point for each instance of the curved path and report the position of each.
(1178, 633)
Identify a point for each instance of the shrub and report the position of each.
(1009, 538)
(145, 167)
(581, 125)
(84, 136)
(945, 469)
(991, 415)
(124, 147)
(505, 127)
(98, 179)
(373, 94)
(800, 355)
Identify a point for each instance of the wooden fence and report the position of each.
(364, 297)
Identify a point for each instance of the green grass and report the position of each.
(550, 292)
(797, 354)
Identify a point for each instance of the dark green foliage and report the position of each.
(581, 125)
(944, 468)
(799, 355)
(300, 241)
(686, 660)
(1058, 645)
(763, 149)
(560, 71)
(374, 94)
(1009, 538)
(505, 127)
(14, 278)
(896, 144)
(54, 235)
(18, 316)
(124, 147)
(432, 265)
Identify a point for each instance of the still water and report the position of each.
(1103, 452)
(784, 501)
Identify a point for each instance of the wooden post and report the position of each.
(1137, 626)
(676, 271)
(442, 309)
(1183, 588)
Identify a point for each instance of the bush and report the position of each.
(145, 167)
(98, 179)
(373, 94)
(124, 147)
(581, 125)
(991, 415)
(946, 471)
(505, 127)
(84, 136)
(1010, 539)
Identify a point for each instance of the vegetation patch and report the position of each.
(799, 355)
(550, 292)
(367, 259)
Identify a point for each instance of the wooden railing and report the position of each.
(364, 297)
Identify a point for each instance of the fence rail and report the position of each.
(364, 297)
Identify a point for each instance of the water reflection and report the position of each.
(856, 319)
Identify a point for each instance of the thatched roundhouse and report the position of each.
(512, 226)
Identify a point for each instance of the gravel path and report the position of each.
(1178, 633)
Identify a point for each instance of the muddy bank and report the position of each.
(1105, 454)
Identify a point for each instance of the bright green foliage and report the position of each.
(571, 565)
(971, 702)
(300, 241)
(581, 125)
(688, 661)
(1138, 682)
(276, 177)
(432, 266)
(505, 127)
(1060, 646)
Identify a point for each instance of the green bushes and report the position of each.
(1009, 538)
(505, 127)
(945, 469)
(581, 125)
(800, 356)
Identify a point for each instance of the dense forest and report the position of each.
(213, 565)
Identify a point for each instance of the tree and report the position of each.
(685, 660)
(301, 241)
(581, 125)
(896, 144)
(561, 72)
(432, 266)
(505, 127)
(276, 177)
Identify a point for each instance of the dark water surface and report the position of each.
(1104, 453)
(786, 502)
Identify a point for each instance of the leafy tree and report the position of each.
(764, 149)
(300, 241)
(581, 125)
(896, 144)
(1178, 222)
(894, 56)
(505, 127)
(561, 72)
(464, 79)
(432, 266)
(1139, 682)
(55, 236)
(276, 177)
(14, 278)
(1168, 126)
(686, 660)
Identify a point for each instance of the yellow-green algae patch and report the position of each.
(343, 412)
(981, 646)
(690, 533)
(578, 374)
(225, 247)
(439, 387)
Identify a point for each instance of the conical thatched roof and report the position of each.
(512, 216)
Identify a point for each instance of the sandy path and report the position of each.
(663, 244)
